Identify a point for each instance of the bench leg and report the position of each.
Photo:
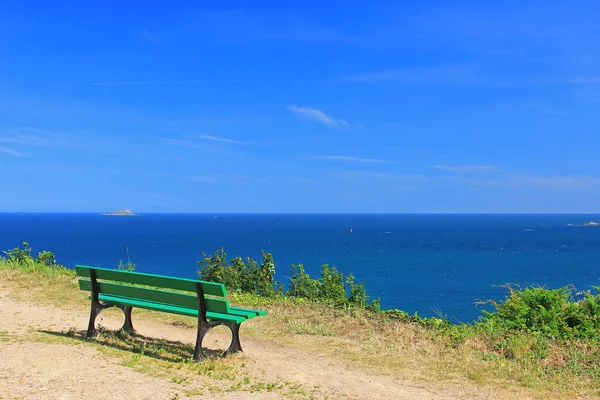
(96, 308)
(202, 331)
(235, 345)
(127, 325)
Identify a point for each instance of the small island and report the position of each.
(591, 223)
(125, 213)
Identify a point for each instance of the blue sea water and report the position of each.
(427, 263)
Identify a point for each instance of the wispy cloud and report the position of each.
(346, 158)
(270, 180)
(232, 27)
(585, 80)
(526, 45)
(165, 82)
(218, 139)
(148, 36)
(157, 196)
(465, 73)
(559, 182)
(41, 138)
(519, 180)
(11, 152)
(488, 72)
(319, 116)
(385, 176)
(194, 144)
(202, 142)
(467, 168)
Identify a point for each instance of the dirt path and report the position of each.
(32, 367)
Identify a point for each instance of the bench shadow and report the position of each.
(160, 349)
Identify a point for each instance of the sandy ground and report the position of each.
(31, 368)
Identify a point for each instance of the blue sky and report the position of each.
(300, 106)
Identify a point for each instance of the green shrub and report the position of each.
(239, 275)
(331, 286)
(249, 277)
(214, 269)
(301, 284)
(47, 258)
(549, 312)
(264, 276)
(20, 256)
(128, 266)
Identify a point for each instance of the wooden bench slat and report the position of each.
(157, 296)
(256, 313)
(170, 309)
(138, 278)
(245, 314)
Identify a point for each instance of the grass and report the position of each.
(516, 363)
(520, 361)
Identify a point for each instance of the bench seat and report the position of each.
(149, 305)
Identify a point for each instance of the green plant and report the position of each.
(302, 285)
(239, 275)
(247, 276)
(20, 256)
(331, 286)
(265, 276)
(47, 258)
(128, 266)
(552, 313)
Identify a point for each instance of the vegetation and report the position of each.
(128, 266)
(550, 313)
(247, 276)
(23, 257)
(534, 341)
(239, 275)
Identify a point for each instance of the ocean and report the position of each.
(436, 265)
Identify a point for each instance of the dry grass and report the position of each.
(406, 350)
(418, 353)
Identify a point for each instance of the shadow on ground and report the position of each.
(161, 349)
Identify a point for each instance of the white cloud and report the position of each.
(11, 152)
(148, 36)
(559, 182)
(345, 158)
(319, 116)
(41, 138)
(189, 143)
(466, 168)
(517, 180)
(113, 83)
(218, 139)
(384, 176)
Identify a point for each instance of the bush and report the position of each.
(126, 266)
(239, 275)
(249, 277)
(301, 284)
(23, 258)
(47, 258)
(20, 256)
(552, 313)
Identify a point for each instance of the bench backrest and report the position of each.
(135, 285)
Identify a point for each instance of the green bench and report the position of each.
(126, 290)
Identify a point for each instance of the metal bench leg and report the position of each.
(202, 331)
(127, 325)
(235, 345)
(95, 310)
